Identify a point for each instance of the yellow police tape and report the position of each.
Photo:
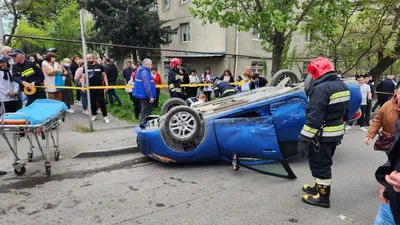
(33, 88)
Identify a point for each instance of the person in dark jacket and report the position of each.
(127, 72)
(222, 88)
(327, 109)
(73, 67)
(27, 74)
(174, 79)
(112, 75)
(388, 176)
(145, 90)
(386, 89)
(185, 80)
(257, 81)
(227, 76)
(367, 79)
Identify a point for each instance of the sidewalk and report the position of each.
(73, 140)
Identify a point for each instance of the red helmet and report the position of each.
(319, 67)
(174, 62)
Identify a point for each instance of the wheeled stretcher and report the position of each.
(39, 119)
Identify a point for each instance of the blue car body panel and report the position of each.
(151, 142)
(257, 129)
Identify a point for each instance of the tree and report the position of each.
(127, 22)
(16, 9)
(29, 45)
(360, 34)
(65, 26)
(275, 20)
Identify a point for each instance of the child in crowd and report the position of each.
(202, 99)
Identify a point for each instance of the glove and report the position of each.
(304, 146)
(339, 142)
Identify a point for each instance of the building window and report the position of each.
(256, 34)
(167, 3)
(183, 1)
(166, 69)
(257, 67)
(167, 37)
(185, 29)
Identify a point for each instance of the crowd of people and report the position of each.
(21, 71)
(145, 93)
(327, 95)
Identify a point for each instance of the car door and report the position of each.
(255, 136)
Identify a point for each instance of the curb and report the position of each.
(116, 128)
(106, 153)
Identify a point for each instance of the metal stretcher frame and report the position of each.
(43, 129)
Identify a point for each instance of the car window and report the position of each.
(268, 167)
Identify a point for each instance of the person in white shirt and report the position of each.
(366, 95)
(206, 77)
(193, 79)
(202, 99)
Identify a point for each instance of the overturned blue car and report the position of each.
(258, 129)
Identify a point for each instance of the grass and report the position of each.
(80, 128)
(125, 112)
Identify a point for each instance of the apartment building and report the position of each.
(212, 43)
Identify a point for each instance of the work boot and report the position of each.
(312, 190)
(321, 198)
(2, 172)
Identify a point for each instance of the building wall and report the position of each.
(214, 39)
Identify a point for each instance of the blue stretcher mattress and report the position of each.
(39, 111)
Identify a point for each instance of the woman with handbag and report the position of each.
(386, 118)
(52, 71)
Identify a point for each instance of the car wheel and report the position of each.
(171, 103)
(182, 124)
(284, 78)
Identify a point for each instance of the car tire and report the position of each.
(171, 103)
(182, 124)
(281, 75)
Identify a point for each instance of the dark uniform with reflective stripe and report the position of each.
(191, 100)
(326, 111)
(174, 83)
(223, 89)
(31, 73)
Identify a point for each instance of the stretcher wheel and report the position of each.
(56, 156)
(47, 167)
(21, 172)
(30, 156)
(43, 136)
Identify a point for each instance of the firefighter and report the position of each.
(28, 75)
(174, 79)
(222, 88)
(190, 101)
(326, 113)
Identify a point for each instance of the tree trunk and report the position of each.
(7, 41)
(335, 58)
(277, 52)
(381, 67)
(385, 61)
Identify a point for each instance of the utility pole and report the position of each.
(83, 32)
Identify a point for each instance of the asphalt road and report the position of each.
(127, 190)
